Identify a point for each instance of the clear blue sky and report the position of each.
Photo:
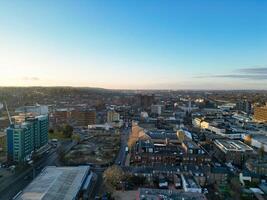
(182, 44)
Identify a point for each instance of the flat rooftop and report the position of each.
(156, 194)
(261, 138)
(56, 183)
(191, 183)
(162, 135)
(232, 145)
(191, 145)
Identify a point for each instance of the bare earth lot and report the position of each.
(100, 149)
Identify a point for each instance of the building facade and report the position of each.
(112, 116)
(61, 116)
(146, 100)
(260, 114)
(20, 142)
(3, 145)
(156, 109)
(231, 151)
(25, 138)
(84, 117)
(244, 106)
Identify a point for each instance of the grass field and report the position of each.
(57, 135)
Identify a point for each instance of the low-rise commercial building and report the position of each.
(231, 151)
(216, 127)
(64, 183)
(100, 129)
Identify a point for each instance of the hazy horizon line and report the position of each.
(136, 89)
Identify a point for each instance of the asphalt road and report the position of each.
(98, 184)
(26, 177)
(22, 182)
(120, 160)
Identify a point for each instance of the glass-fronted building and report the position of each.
(25, 138)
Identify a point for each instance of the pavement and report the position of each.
(16, 183)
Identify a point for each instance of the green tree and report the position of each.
(67, 130)
(113, 176)
(76, 137)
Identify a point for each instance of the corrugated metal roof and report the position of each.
(56, 183)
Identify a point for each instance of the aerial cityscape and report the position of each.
(133, 100)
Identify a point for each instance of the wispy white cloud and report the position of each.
(33, 78)
(251, 73)
(253, 70)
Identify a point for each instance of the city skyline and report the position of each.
(134, 45)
